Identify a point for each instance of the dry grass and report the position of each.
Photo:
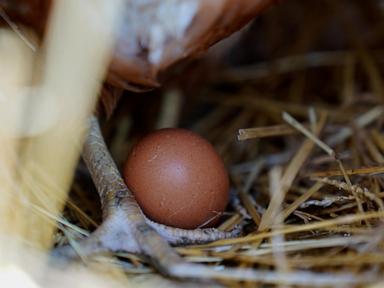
(322, 225)
(302, 134)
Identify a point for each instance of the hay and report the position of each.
(316, 113)
(296, 112)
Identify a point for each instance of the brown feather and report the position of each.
(153, 36)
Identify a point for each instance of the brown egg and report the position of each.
(178, 179)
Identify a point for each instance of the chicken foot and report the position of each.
(125, 227)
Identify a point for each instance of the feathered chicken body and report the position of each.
(155, 34)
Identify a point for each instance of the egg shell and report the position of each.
(178, 178)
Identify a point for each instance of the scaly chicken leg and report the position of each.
(124, 227)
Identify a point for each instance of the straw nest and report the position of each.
(294, 106)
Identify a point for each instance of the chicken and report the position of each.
(153, 35)
(156, 34)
